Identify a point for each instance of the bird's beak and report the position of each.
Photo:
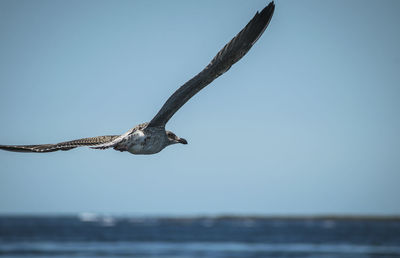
(183, 141)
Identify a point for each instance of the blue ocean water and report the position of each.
(90, 235)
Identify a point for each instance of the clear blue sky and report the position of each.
(307, 123)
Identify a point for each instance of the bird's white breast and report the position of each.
(141, 142)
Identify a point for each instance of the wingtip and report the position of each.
(263, 18)
(268, 11)
(270, 6)
(13, 148)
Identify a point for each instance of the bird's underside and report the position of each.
(149, 138)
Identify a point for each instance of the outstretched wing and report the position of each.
(91, 141)
(226, 57)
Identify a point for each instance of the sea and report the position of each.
(91, 235)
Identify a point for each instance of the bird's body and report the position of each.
(151, 137)
(142, 140)
(145, 141)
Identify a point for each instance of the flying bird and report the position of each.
(151, 137)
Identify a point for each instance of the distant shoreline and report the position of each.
(213, 217)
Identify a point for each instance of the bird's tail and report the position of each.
(91, 141)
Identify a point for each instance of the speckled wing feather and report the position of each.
(91, 141)
(226, 57)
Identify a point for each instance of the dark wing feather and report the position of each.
(91, 141)
(226, 57)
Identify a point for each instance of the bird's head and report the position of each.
(172, 138)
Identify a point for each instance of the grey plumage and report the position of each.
(150, 138)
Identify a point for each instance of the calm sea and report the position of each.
(89, 235)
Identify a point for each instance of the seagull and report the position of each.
(151, 137)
